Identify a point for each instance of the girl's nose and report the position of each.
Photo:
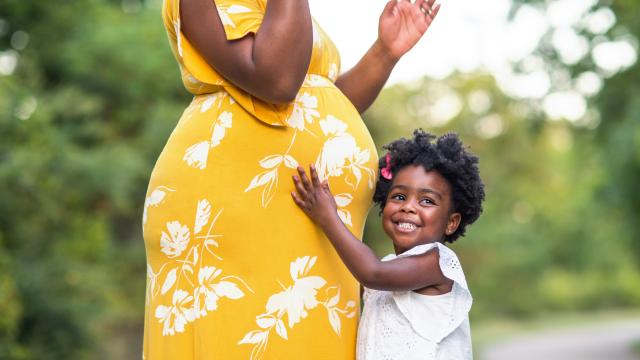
(408, 207)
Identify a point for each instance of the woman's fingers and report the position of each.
(432, 15)
(388, 9)
(435, 11)
(427, 7)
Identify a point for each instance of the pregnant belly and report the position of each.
(218, 148)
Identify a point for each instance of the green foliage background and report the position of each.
(96, 92)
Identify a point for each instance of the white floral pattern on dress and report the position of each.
(305, 109)
(224, 13)
(207, 102)
(211, 292)
(176, 240)
(197, 154)
(219, 128)
(313, 80)
(295, 302)
(341, 152)
(175, 317)
(317, 39)
(333, 72)
(269, 177)
(191, 301)
(154, 199)
(342, 201)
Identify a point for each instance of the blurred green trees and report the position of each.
(83, 117)
(95, 92)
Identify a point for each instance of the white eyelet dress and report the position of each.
(405, 325)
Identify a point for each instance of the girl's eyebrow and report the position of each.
(421, 190)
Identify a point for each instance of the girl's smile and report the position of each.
(418, 209)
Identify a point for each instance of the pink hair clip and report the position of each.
(386, 171)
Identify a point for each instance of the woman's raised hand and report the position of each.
(403, 23)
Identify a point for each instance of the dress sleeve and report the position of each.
(460, 294)
(240, 17)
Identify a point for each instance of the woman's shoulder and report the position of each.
(227, 9)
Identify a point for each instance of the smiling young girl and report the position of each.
(416, 301)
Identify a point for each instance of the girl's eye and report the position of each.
(426, 202)
(397, 197)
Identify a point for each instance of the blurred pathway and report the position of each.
(607, 341)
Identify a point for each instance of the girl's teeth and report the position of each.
(406, 226)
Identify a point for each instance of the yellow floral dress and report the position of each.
(235, 269)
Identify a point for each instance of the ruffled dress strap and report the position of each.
(239, 18)
(460, 296)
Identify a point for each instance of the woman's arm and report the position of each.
(407, 273)
(402, 24)
(270, 65)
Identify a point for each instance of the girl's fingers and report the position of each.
(301, 204)
(419, 3)
(305, 180)
(314, 176)
(325, 187)
(300, 188)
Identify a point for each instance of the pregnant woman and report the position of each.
(235, 270)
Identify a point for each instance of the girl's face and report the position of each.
(419, 208)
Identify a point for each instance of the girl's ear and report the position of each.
(453, 223)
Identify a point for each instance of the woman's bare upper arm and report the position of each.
(202, 26)
(270, 64)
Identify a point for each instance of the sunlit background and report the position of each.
(547, 93)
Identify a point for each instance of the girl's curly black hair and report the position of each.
(445, 155)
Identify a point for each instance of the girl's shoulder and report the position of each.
(449, 262)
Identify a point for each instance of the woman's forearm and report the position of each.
(363, 82)
(270, 65)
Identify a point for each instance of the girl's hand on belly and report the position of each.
(314, 197)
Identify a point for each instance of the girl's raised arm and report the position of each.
(270, 65)
(406, 273)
